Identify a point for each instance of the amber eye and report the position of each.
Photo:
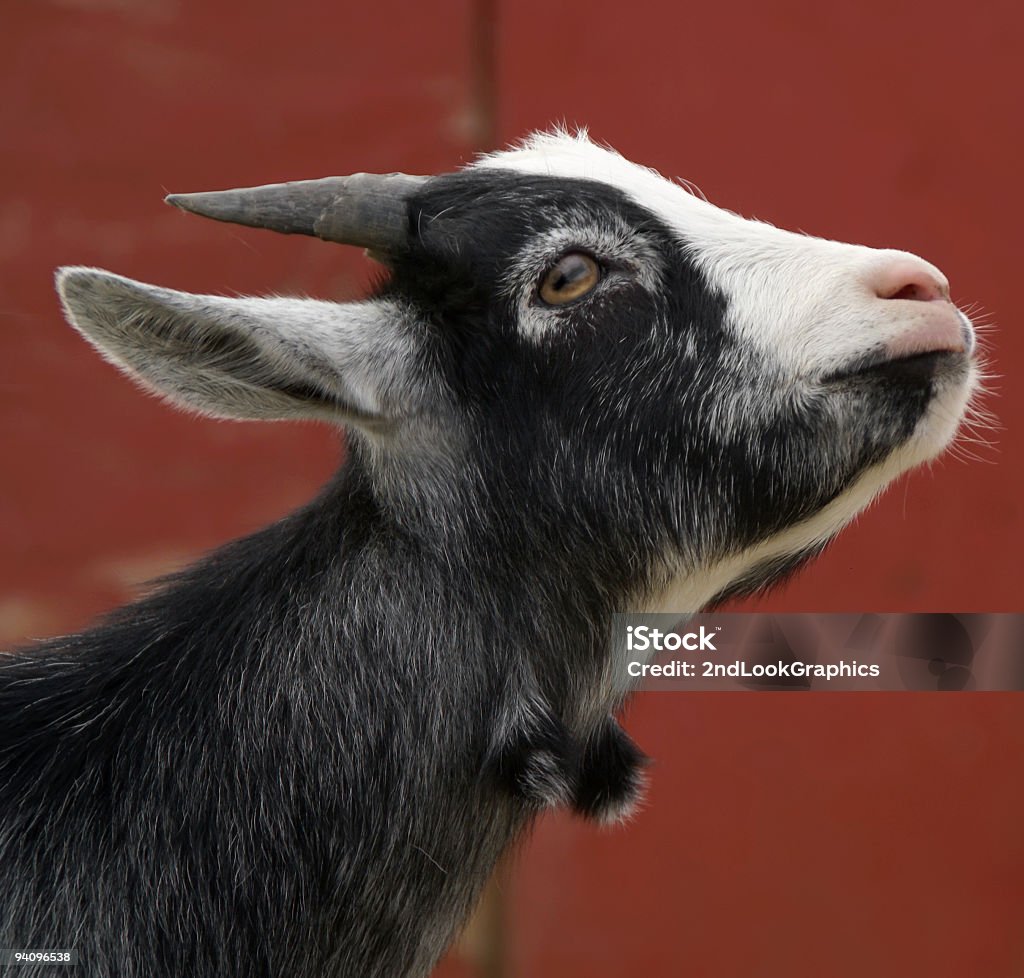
(572, 276)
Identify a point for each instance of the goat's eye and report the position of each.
(572, 276)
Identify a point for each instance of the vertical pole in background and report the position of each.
(484, 75)
(484, 941)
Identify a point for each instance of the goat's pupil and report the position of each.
(570, 270)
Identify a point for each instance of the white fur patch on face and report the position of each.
(806, 303)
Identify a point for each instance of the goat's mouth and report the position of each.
(913, 369)
(934, 346)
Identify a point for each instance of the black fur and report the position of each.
(611, 774)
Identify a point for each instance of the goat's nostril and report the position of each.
(914, 291)
(906, 278)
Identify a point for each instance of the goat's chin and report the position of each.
(943, 416)
(760, 566)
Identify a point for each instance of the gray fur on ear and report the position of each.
(248, 358)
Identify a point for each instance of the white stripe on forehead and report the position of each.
(560, 154)
(797, 299)
(721, 238)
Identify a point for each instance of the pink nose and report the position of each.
(906, 278)
(932, 325)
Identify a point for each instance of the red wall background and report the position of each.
(785, 835)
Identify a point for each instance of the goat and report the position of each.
(579, 389)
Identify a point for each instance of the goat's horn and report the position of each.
(365, 209)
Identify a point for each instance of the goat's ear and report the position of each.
(250, 358)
